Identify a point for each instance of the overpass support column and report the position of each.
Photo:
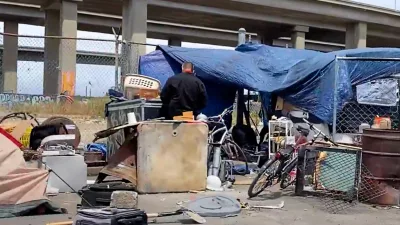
(51, 81)
(10, 58)
(68, 29)
(134, 30)
(356, 35)
(175, 42)
(60, 54)
(299, 37)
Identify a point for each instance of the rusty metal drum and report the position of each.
(380, 178)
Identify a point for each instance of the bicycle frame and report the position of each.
(214, 170)
(213, 133)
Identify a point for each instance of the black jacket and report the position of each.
(181, 93)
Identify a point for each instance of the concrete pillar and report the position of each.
(60, 54)
(356, 35)
(51, 78)
(67, 56)
(257, 39)
(134, 30)
(265, 40)
(10, 58)
(175, 42)
(299, 37)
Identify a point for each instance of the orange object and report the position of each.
(382, 122)
(68, 83)
(186, 116)
(142, 93)
(377, 120)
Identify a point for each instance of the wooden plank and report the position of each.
(243, 180)
(62, 223)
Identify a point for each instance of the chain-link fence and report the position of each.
(370, 99)
(36, 70)
(346, 175)
(339, 178)
(45, 65)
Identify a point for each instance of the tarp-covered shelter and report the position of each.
(302, 77)
(22, 189)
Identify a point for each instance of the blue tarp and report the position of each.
(304, 78)
(161, 66)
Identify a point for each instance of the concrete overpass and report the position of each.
(341, 22)
(36, 54)
(103, 23)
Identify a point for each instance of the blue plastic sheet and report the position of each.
(97, 147)
(305, 78)
(162, 66)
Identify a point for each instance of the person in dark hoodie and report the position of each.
(183, 92)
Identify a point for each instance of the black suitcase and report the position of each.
(110, 217)
(99, 195)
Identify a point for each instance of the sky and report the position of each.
(391, 4)
(101, 77)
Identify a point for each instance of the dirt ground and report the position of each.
(296, 211)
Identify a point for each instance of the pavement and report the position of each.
(296, 211)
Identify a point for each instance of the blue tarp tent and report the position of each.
(304, 78)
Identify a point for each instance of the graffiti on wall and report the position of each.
(10, 99)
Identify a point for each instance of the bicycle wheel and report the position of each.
(286, 179)
(22, 116)
(266, 177)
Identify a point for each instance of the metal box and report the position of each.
(171, 157)
(117, 115)
(71, 168)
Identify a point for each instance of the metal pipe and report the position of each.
(366, 59)
(116, 35)
(216, 161)
(335, 99)
(240, 93)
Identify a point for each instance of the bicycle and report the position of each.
(284, 162)
(221, 148)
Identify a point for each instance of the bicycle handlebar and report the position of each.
(224, 113)
(319, 132)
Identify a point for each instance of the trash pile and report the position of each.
(34, 157)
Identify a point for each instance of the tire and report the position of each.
(286, 174)
(264, 170)
(66, 121)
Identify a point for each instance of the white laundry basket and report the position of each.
(139, 86)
